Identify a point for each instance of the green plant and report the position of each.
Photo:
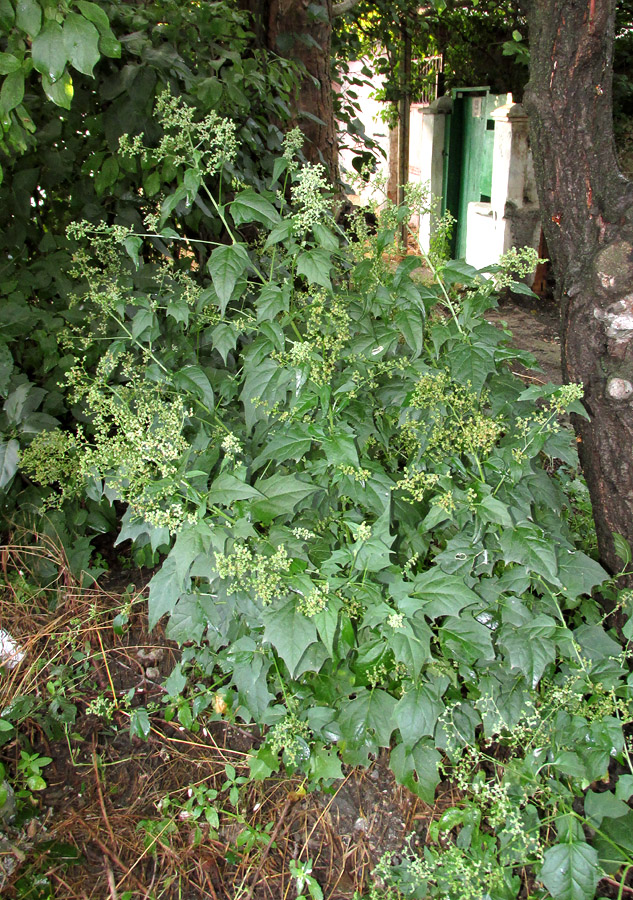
(302, 873)
(366, 546)
(28, 778)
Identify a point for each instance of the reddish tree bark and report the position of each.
(302, 30)
(587, 211)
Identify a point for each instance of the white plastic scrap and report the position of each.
(11, 654)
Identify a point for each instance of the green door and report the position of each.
(468, 147)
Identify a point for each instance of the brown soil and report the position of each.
(534, 325)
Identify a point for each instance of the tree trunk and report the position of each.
(587, 212)
(302, 30)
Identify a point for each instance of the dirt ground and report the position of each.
(535, 327)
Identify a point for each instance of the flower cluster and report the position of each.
(259, 573)
(51, 459)
(315, 602)
(455, 422)
(416, 483)
(292, 144)
(289, 735)
(309, 202)
(231, 446)
(206, 146)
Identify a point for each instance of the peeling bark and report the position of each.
(587, 212)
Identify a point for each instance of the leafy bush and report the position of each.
(366, 546)
(67, 167)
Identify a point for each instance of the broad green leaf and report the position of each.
(471, 365)
(624, 787)
(324, 237)
(81, 39)
(325, 764)
(283, 494)
(6, 368)
(281, 232)
(465, 638)
(271, 301)
(408, 265)
(411, 645)
(571, 871)
(340, 449)
(417, 769)
(374, 554)
(411, 325)
(60, 92)
(9, 63)
(140, 725)
(418, 710)
(327, 624)
(35, 783)
(226, 265)
(7, 15)
(614, 842)
(531, 647)
(109, 46)
(12, 91)
(8, 461)
(151, 186)
(290, 632)
(369, 715)
(132, 528)
(493, 510)
(49, 51)
(437, 594)
(622, 548)
(315, 265)
(264, 385)
(94, 14)
(279, 168)
(250, 671)
(28, 17)
(250, 206)
(263, 764)
(595, 643)
(228, 489)
(599, 806)
(458, 271)
(187, 621)
(579, 573)
(225, 337)
(194, 380)
(144, 325)
(172, 579)
(176, 682)
(293, 443)
(526, 544)
(106, 177)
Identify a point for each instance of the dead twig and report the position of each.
(115, 859)
(620, 885)
(267, 848)
(101, 799)
(114, 895)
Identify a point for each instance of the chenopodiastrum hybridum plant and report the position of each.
(365, 543)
